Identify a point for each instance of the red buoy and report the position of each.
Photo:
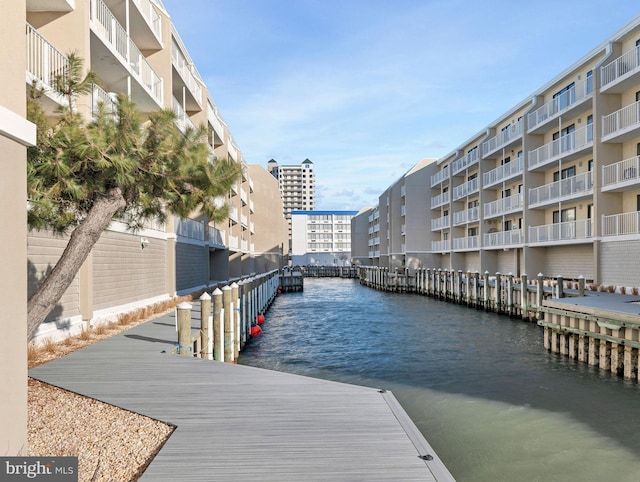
(260, 319)
(256, 331)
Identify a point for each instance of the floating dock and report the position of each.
(243, 423)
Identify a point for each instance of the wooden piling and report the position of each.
(218, 325)
(235, 315)
(206, 327)
(185, 348)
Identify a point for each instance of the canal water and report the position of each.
(486, 395)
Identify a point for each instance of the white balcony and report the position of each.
(566, 147)
(244, 220)
(468, 242)
(621, 224)
(403, 229)
(505, 205)
(466, 216)
(51, 5)
(573, 231)
(440, 223)
(443, 245)
(216, 236)
(252, 227)
(403, 191)
(469, 187)
(403, 210)
(502, 173)
(244, 245)
(617, 75)
(574, 187)
(502, 238)
(621, 175)
(189, 228)
(151, 18)
(468, 160)
(232, 151)
(622, 124)
(251, 206)
(185, 70)
(440, 176)
(182, 119)
(568, 101)
(115, 42)
(44, 63)
(233, 242)
(503, 139)
(233, 214)
(100, 96)
(243, 196)
(440, 200)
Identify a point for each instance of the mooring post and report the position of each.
(185, 346)
(560, 287)
(476, 289)
(227, 302)
(206, 327)
(540, 296)
(218, 325)
(581, 285)
(487, 290)
(524, 297)
(499, 307)
(235, 301)
(510, 307)
(467, 288)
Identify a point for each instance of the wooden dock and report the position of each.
(245, 424)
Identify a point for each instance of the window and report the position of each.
(473, 176)
(564, 174)
(507, 225)
(506, 160)
(565, 97)
(520, 159)
(506, 193)
(472, 232)
(589, 128)
(473, 204)
(590, 165)
(589, 211)
(564, 216)
(589, 82)
(567, 138)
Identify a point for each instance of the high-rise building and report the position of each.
(297, 186)
(321, 238)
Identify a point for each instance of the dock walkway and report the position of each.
(245, 424)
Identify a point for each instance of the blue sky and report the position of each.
(367, 88)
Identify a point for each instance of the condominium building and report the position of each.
(551, 186)
(135, 49)
(321, 238)
(297, 186)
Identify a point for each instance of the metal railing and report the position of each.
(565, 145)
(562, 102)
(502, 172)
(442, 245)
(44, 61)
(440, 176)
(469, 159)
(623, 65)
(621, 224)
(566, 188)
(503, 138)
(98, 96)
(503, 238)
(189, 228)
(623, 172)
(468, 242)
(440, 199)
(503, 206)
(182, 119)
(466, 216)
(440, 223)
(570, 230)
(465, 189)
(216, 236)
(184, 69)
(153, 18)
(623, 119)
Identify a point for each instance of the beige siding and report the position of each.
(472, 262)
(123, 272)
(569, 261)
(507, 262)
(619, 262)
(43, 251)
(192, 266)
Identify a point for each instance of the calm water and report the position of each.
(487, 396)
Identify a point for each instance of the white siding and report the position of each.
(619, 263)
(569, 261)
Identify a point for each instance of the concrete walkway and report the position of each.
(239, 423)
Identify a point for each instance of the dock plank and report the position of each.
(244, 423)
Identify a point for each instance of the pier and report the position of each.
(243, 423)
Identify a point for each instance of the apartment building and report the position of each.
(321, 238)
(15, 134)
(297, 185)
(135, 49)
(551, 186)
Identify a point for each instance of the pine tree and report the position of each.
(83, 174)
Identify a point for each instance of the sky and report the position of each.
(367, 88)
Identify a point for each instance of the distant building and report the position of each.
(321, 237)
(297, 186)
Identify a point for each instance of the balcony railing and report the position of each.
(244, 245)
(233, 242)
(568, 144)
(567, 231)
(189, 228)
(468, 160)
(109, 29)
(621, 121)
(502, 173)
(621, 224)
(98, 96)
(44, 62)
(502, 206)
(503, 238)
(440, 223)
(440, 176)
(182, 119)
(184, 69)
(468, 242)
(627, 63)
(442, 245)
(623, 173)
(503, 138)
(465, 189)
(440, 200)
(216, 236)
(561, 103)
(568, 188)
(233, 214)
(153, 18)
(466, 216)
